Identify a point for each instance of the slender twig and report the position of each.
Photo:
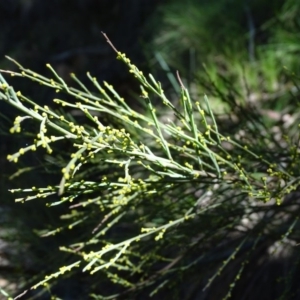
(109, 42)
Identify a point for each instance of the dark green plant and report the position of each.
(171, 201)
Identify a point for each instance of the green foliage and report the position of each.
(173, 199)
(243, 45)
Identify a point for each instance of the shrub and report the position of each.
(173, 201)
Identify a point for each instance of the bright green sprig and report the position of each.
(160, 179)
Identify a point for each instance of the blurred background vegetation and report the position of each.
(247, 49)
